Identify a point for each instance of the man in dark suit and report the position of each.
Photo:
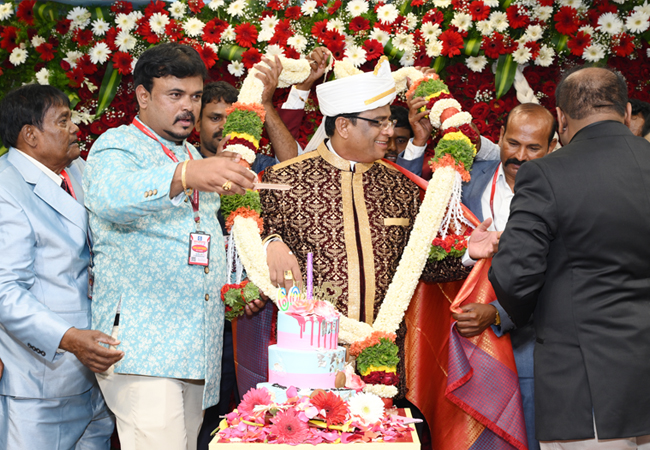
(528, 134)
(573, 253)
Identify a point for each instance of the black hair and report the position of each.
(330, 122)
(401, 115)
(218, 91)
(180, 61)
(27, 105)
(581, 96)
(533, 108)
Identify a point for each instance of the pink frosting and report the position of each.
(301, 306)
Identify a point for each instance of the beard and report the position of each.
(180, 136)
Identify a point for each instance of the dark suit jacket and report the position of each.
(575, 251)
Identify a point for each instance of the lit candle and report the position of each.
(310, 275)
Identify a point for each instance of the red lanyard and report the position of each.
(494, 187)
(66, 178)
(194, 198)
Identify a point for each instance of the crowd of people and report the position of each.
(105, 321)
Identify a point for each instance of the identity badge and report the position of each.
(199, 254)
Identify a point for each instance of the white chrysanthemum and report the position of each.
(491, 3)
(265, 35)
(577, 4)
(610, 23)
(298, 42)
(387, 13)
(637, 22)
(215, 4)
(43, 76)
(434, 48)
(380, 36)
(367, 407)
(6, 10)
(125, 41)
(545, 56)
(594, 53)
(236, 8)
(407, 60)
(411, 21)
(193, 27)
(476, 63)
(18, 56)
(79, 16)
(158, 22)
(136, 15)
(381, 390)
(99, 53)
(228, 34)
(462, 21)
(401, 76)
(37, 40)
(309, 7)
(522, 55)
(587, 29)
(356, 55)
(484, 27)
(499, 21)
(543, 13)
(337, 25)
(645, 8)
(403, 41)
(246, 153)
(100, 27)
(457, 120)
(533, 33)
(125, 22)
(441, 3)
(236, 68)
(268, 23)
(273, 50)
(177, 10)
(430, 30)
(72, 57)
(357, 7)
(438, 108)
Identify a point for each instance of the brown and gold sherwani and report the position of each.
(356, 223)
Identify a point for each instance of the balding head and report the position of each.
(534, 113)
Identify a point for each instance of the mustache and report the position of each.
(514, 161)
(185, 116)
(218, 135)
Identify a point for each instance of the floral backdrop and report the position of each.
(475, 45)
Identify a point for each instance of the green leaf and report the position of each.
(506, 69)
(231, 52)
(472, 46)
(111, 81)
(560, 41)
(406, 7)
(74, 99)
(439, 63)
(46, 11)
(100, 12)
(3, 150)
(393, 52)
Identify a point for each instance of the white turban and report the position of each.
(354, 94)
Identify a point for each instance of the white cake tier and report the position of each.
(315, 369)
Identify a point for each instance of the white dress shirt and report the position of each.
(58, 179)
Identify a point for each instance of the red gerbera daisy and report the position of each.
(359, 24)
(63, 26)
(479, 10)
(25, 12)
(625, 45)
(195, 5)
(111, 34)
(578, 43)
(86, 65)
(434, 16)
(174, 30)
(566, 20)
(82, 37)
(122, 62)
(213, 30)
(275, 5)
(417, 3)
(335, 7)
(76, 77)
(320, 3)
(337, 47)
(122, 7)
(331, 407)
(251, 57)
(452, 42)
(534, 48)
(293, 12)
(282, 33)
(46, 51)
(246, 34)
(253, 398)
(319, 29)
(9, 38)
(288, 428)
(373, 49)
(208, 56)
(516, 18)
(156, 6)
(493, 45)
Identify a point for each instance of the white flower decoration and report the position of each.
(610, 23)
(72, 57)
(543, 13)
(309, 7)
(437, 109)
(100, 27)
(637, 22)
(357, 7)
(387, 13)
(228, 34)
(522, 55)
(274, 50)
(381, 390)
(441, 3)
(236, 68)
(37, 40)
(246, 153)
(367, 407)
(499, 21)
(533, 33)
(577, 4)
(337, 25)
(6, 10)
(158, 22)
(545, 57)
(18, 56)
(177, 10)
(434, 48)
(356, 55)
(476, 63)
(645, 8)
(588, 29)
(193, 27)
(298, 42)
(79, 16)
(215, 4)
(43, 76)
(430, 30)
(411, 21)
(484, 27)
(404, 42)
(594, 53)
(125, 41)
(380, 36)
(126, 22)
(99, 53)
(462, 21)
(236, 8)
(491, 3)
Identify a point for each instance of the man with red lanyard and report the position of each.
(159, 255)
(527, 134)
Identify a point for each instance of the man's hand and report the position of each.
(210, 175)
(483, 243)
(474, 319)
(269, 76)
(86, 346)
(318, 60)
(419, 121)
(281, 261)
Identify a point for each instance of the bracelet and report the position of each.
(497, 319)
(188, 191)
(271, 236)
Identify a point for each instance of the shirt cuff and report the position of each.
(296, 99)
(467, 260)
(413, 151)
(178, 199)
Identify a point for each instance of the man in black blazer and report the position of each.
(574, 252)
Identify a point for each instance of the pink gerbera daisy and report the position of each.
(253, 398)
(288, 428)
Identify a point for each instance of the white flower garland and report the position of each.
(246, 153)
(458, 119)
(344, 69)
(400, 76)
(380, 390)
(294, 71)
(439, 106)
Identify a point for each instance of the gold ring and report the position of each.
(288, 275)
(227, 185)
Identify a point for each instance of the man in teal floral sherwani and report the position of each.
(153, 201)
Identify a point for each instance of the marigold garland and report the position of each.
(245, 212)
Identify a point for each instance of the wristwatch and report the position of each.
(497, 319)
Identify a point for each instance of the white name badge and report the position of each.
(199, 254)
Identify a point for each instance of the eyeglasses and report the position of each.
(383, 124)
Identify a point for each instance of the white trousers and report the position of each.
(154, 413)
(639, 442)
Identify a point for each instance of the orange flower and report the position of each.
(448, 161)
(243, 211)
(357, 347)
(255, 107)
(414, 86)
